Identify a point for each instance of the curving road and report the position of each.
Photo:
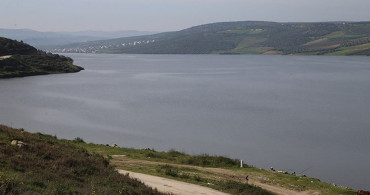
(172, 186)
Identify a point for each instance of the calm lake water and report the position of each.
(294, 113)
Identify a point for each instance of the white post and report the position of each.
(241, 163)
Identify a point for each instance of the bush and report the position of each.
(212, 161)
(79, 140)
(170, 171)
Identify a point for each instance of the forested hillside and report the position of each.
(18, 59)
(249, 37)
(9, 47)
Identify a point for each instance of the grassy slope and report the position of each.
(249, 37)
(171, 164)
(25, 60)
(51, 166)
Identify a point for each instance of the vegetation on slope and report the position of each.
(249, 37)
(46, 165)
(20, 60)
(10, 47)
(220, 173)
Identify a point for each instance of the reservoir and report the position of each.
(303, 114)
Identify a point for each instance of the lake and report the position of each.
(303, 114)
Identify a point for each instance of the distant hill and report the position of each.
(246, 37)
(18, 59)
(42, 40)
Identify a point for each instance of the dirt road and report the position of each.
(5, 57)
(221, 173)
(171, 186)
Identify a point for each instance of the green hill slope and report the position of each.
(35, 163)
(42, 164)
(249, 37)
(18, 59)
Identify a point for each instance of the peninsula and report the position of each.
(18, 59)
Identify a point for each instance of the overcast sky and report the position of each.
(168, 15)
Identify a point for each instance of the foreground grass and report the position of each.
(196, 176)
(217, 172)
(46, 165)
(158, 156)
(183, 174)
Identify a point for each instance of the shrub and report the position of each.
(79, 140)
(171, 171)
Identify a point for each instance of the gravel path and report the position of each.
(171, 186)
(123, 160)
(5, 57)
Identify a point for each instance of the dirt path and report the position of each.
(171, 186)
(5, 57)
(218, 172)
